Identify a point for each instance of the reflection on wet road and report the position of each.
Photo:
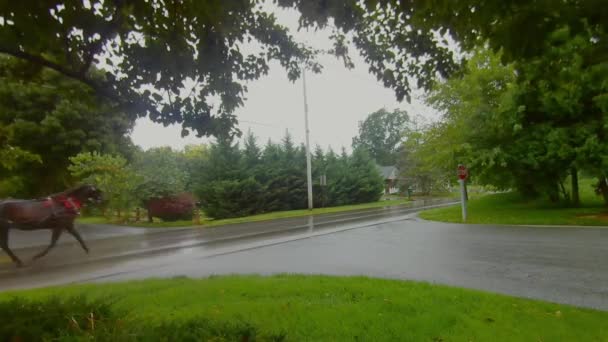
(565, 265)
(115, 247)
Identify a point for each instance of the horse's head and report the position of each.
(87, 193)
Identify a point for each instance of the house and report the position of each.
(390, 174)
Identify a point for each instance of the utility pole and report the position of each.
(308, 161)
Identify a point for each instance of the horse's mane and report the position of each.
(67, 192)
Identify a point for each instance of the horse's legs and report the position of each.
(77, 236)
(54, 238)
(4, 226)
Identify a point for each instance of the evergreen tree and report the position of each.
(368, 184)
(237, 182)
(251, 155)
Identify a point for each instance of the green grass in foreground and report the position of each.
(510, 208)
(207, 222)
(292, 308)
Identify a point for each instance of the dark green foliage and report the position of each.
(192, 44)
(368, 184)
(251, 154)
(232, 198)
(353, 179)
(47, 118)
(381, 134)
(163, 172)
(237, 182)
(284, 176)
(399, 40)
(202, 41)
(224, 163)
(190, 52)
(203, 329)
(80, 319)
(286, 191)
(111, 174)
(55, 318)
(195, 157)
(529, 124)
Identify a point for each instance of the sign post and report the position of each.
(463, 173)
(323, 184)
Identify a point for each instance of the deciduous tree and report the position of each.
(381, 134)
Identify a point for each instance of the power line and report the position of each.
(265, 124)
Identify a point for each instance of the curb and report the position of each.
(511, 225)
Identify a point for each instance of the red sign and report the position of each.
(463, 173)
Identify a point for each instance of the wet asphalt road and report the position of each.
(566, 265)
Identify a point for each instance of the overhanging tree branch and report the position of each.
(96, 47)
(98, 88)
(54, 66)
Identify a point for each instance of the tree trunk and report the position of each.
(564, 192)
(576, 201)
(553, 192)
(603, 188)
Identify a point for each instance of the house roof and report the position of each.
(387, 172)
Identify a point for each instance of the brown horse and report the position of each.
(56, 212)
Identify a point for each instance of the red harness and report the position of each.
(70, 203)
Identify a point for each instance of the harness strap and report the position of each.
(73, 204)
(69, 203)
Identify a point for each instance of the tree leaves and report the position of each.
(163, 172)
(235, 182)
(149, 43)
(381, 134)
(47, 115)
(111, 174)
(528, 124)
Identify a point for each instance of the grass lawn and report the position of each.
(207, 222)
(291, 308)
(510, 208)
(144, 224)
(474, 191)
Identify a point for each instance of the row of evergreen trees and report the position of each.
(237, 180)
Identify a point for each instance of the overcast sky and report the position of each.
(338, 99)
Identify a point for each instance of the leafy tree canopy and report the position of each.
(111, 174)
(381, 134)
(167, 59)
(409, 39)
(527, 125)
(46, 118)
(164, 172)
(183, 61)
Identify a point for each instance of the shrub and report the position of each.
(79, 319)
(25, 320)
(223, 199)
(171, 208)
